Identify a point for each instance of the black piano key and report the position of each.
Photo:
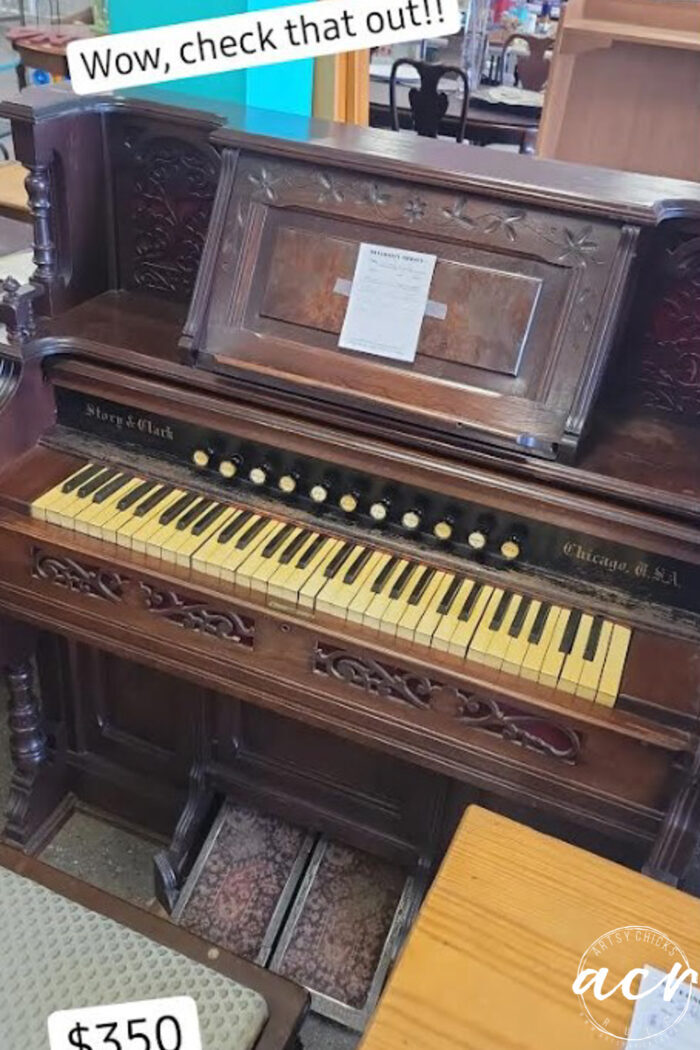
(209, 518)
(294, 547)
(421, 586)
(570, 631)
(471, 600)
(358, 565)
(501, 610)
(135, 495)
(338, 560)
(384, 575)
(535, 636)
(111, 487)
(177, 508)
(312, 551)
(96, 482)
(277, 540)
(402, 582)
(589, 653)
(85, 474)
(449, 596)
(227, 533)
(191, 516)
(152, 501)
(250, 533)
(519, 618)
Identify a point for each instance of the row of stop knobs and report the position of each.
(320, 494)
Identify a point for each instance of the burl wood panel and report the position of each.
(488, 311)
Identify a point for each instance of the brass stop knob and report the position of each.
(227, 468)
(411, 519)
(348, 503)
(258, 476)
(378, 511)
(200, 458)
(319, 493)
(477, 540)
(442, 530)
(510, 549)
(287, 484)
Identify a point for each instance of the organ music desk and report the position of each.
(350, 592)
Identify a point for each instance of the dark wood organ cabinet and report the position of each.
(400, 587)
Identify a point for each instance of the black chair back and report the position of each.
(428, 105)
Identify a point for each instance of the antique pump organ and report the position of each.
(350, 591)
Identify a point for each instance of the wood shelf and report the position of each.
(636, 34)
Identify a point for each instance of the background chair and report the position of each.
(428, 105)
(532, 70)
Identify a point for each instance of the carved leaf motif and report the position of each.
(377, 195)
(264, 182)
(376, 678)
(456, 213)
(578, 247)
(329, 189)
(505, 224)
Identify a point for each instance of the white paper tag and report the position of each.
(154, 1024)
(387, 302)
(658, 1024)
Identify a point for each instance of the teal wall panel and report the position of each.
(286, 86)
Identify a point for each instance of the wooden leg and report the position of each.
(172, 865)
(37, 785)
(21, 75)
(680, 831)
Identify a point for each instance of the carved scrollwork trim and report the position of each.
(81, 579)
(532, 732)
(375, 678)
(480, 712)
(196, 616)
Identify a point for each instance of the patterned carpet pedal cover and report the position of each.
(349, 918)
(243, 881)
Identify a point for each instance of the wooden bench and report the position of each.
(13, 195)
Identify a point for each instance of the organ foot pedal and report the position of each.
(322, 913)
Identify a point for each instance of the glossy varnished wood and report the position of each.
(492, 957)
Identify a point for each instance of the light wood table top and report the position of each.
(491, 959)
(13, 195)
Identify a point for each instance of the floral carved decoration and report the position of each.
(423, 692)
(174, 184)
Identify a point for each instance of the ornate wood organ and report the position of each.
(352, 592)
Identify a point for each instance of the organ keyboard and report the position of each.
(560, 647)
(353, 592)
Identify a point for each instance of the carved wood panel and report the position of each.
(165, 186)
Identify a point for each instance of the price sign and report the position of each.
(155, 1024)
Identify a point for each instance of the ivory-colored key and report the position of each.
(336, 596)
(164, 541)
(89, 516)
(449, 620)
(63, 511)
(39, 506)
(398, 599)
(240, 554)
(315, 580)
(372, 615)
(208, 524)
(270, 565)
(537, 649)
(573, 664)
(592, 669)
(498, 645)
(481, 639)
(211, 554)
(517, 647)
(554, 657)
(611, 676)
(408, 624)
(99, 521)
(250, 566)
(466, 628)
(152, 524)
(146, 513)
(361, 601)
(287, 583)
(430, 620)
